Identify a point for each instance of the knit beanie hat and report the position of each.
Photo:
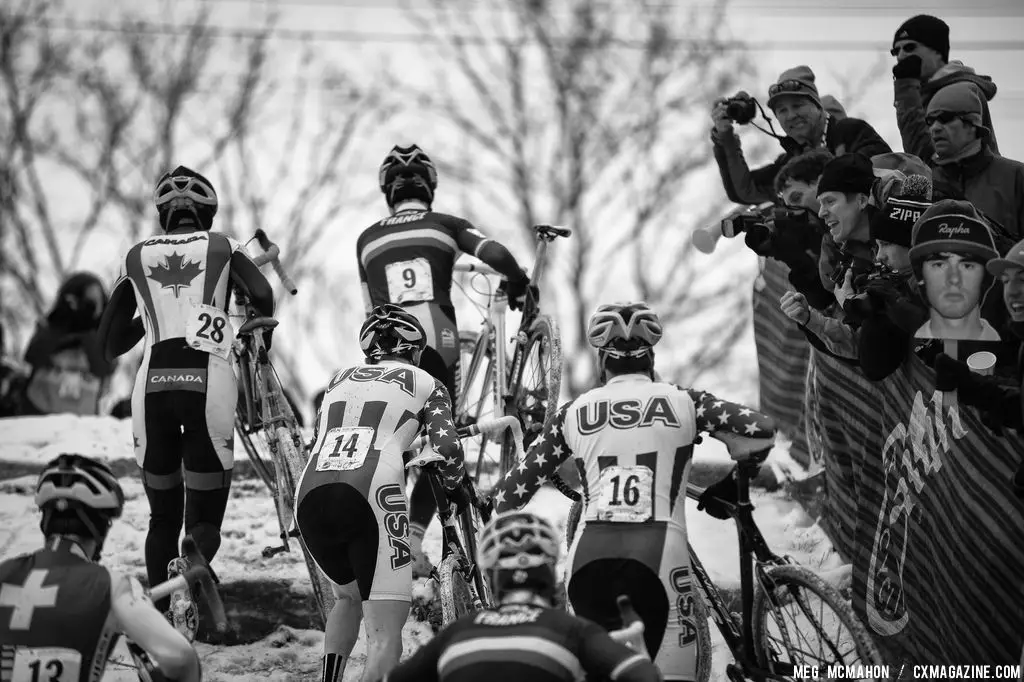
(927, 30)
(962, 99)
(952, 226)
(847, 173)
(895, 222)
(796, 81)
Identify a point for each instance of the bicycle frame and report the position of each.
(754, 554)
(493, 330)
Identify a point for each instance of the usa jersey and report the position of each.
(370, 415)
(408, 257)
(633, 443)
(55, 616)
(516, 642)
(182, 284)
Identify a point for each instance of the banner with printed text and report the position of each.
(920, 501)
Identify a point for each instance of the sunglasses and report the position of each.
(905, 47)
(943, 117)
(787, 86)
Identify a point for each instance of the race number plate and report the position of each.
(410, 280)
(43, 664)
(345, 448)
(624, 494)
(208, 329)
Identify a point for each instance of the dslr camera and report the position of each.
(741, 108)
(863, 305)
(762, 224)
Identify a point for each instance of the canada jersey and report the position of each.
(633, 442)
(55, 616)
(517, 642)
(408, 257)
(370, 415)
(182, 284)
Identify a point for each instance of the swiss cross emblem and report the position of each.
(25, 599)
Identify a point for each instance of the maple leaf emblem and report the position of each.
(175, 273)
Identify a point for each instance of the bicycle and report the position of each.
(267, 426)
(463, 588)
(768, 584)
(530, 398)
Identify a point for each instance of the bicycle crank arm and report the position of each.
(270, 552)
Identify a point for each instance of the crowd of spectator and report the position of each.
(873, 259)
(888, 254)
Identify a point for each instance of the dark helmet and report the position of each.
(78, 495)
(184, 195)
(519, 551)
(392, 330)
(407, 173)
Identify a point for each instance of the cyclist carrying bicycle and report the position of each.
(60, 610)
(350, 506)
(407, 259)
(632, 440)
(525, 637)
(183, 402)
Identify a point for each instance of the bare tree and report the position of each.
(594, 115)
(94, 114)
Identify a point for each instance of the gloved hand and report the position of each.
(759, 240)
(908, 68)
(516, 291)
(711, 500)
(950, 373)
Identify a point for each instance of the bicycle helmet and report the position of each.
(392, 330)
(407, 173)
(183, 194)
(519, 550)
(78, 496)
(616, 326)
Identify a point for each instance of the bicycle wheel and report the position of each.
(537, 382)
(700, 617)
(288, 443)
(805, 621)
(456, 593)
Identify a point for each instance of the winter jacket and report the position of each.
(746, 186)
(994, 184)
(913, 96)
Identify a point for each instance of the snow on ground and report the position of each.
(269, 600)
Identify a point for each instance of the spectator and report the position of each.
(792, 235)
(795, 101)
(963, 168)
(890, 308)
(844, 193)
(950, 245)
(921, 48)
(68, 370)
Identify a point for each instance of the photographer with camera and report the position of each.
(807, 125)
(891, 307)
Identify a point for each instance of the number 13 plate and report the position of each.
(39, 664)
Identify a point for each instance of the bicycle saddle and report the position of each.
(425, 457)
(249, 326)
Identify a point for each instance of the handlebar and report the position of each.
(491, 426)
(476, 267)
(272, 255)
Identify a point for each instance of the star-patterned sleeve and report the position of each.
(546, 453)
(437, 416)
(725, 419)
